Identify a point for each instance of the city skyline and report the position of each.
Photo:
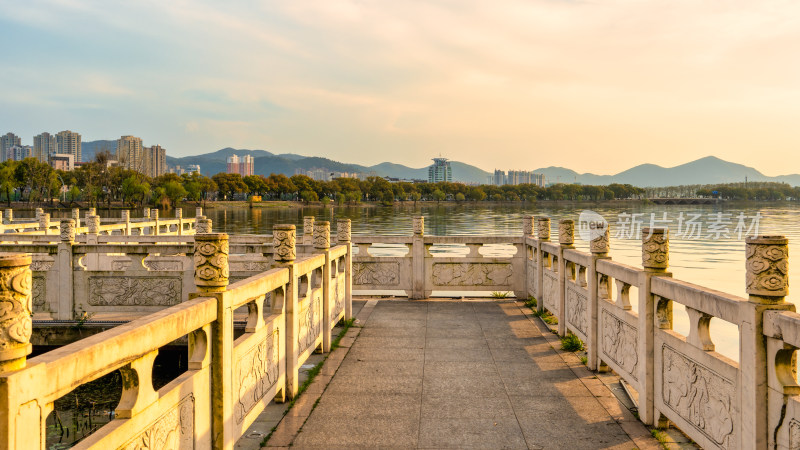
(567, 84)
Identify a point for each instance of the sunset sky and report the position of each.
(596, 86)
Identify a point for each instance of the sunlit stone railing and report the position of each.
(38, 228)
(423, 270)
(718, 402)
(291, 309)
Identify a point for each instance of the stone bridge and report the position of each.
(291, 295)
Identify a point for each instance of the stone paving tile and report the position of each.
(452, 374)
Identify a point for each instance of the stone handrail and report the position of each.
(719, 403)
(228, 382)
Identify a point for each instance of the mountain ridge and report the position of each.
(707, 170)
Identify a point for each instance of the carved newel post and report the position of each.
(418, 254)
(93, 224)
(308, 230)
(528, 225)
(655, 249)
(8, 216)
(44, 222)
(154, 217)
(767, 285)
(198, 211)
(599, 244)
(146, 213)
(566, 240)
(543, 230)
(179, 213)
(91, 212)
(283, 244)
(67, 231)
(343, 232)
(202, 225)
(599, 248)
(76, 216)
(126, 219)
(419, 225)
(15, 303)
(322, 235)
(211, 270)
(39, 212)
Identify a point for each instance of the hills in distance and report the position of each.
(708, 170)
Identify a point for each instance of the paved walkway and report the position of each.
(464, 374)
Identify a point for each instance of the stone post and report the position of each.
(146, 213)
(16, 279)
(418, 252)
(44, 222)
(598, 246)
(198, 211)
(566, 240)
(767, 285)
(211, 276)
(76, 216)
(343, 232)
(308, 230)
(91, 212)
(154, 218)
(8, 216)
(179, 216)
(39, 212)
(528, 225)
(92, 260)
(64, 264)
(202, 225)
(655, 261)
(542, 235)
(126, 219)
(93, 225)
(322, 244)
(284, 253)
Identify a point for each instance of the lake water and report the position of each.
(707, 250)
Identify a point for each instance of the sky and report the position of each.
(595, 86)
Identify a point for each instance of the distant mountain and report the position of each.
(708, 170)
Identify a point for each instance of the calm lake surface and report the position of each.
(705, 243)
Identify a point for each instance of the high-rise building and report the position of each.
(7, 141)
(69, 143)
(19, 152)
(440, 171)
(192, 168)
(61, 161)
(155, 161)
(244, 166)
(129, 153)
(44, 145)
(515, 177)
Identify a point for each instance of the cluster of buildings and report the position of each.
(515, 177)
(49, 148)
(328, 175)
(63, 151)
(244, 166)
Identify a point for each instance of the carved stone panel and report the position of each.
(172, 431)
(163, 265)
(135, 291)
(472, 274)
(255, 373)
(655, 248)
(700, 396)
(767, 266)
(249, 266)
(794, 434)
(339, 305)
(531, 279)
(620, 343)
(550, 291)
(576, 305)
(39, 293)
(310, 324)
(376, 273)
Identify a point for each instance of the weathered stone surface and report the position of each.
(254, 374)
(528, 225)
(322, 234)
(566, 232)
(471, 274)
(211, 269)
(283, 243)
(376, 273)
(543, 230)
(67, 230)
(15, 310)
(767, 266)
(173, 430)
(620, 343)
(343, 230)
(600, 244)
(134, 291)
(655, 248)
(419, 225)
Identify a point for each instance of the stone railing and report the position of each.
(36, 229)
(138, 275)
(422, 270)
(719, 403)
(291, 310)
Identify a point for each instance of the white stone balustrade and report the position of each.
(16, 230)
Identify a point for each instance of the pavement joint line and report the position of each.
(635, 429)
(313, 397)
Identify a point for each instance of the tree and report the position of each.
(229, 184)
(438, 195)
(309, 196)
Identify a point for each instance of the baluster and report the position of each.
(137, 386)
(343, 234)
(322, 244)
(284, 253)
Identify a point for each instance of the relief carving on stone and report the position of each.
(134, 291)
(576, 309)
(550, 291)
(700, 396)
(767, 266)
(42, 265)
(249, 266)
(566, 232)
(283, 243)
(163, 265)
(527, 225)
(620, 343)
(211, 260)
(343, 230)
(67, 230)
(39, 293)
(376, 273)
(322, 235)
(16, 280)
(310, 324)
(655, 248)
(339, 306)
(531, 279)
(600, 244)
(472, 274)
(256, 372)
(794, 434)
(174, 430)
(543, 228)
